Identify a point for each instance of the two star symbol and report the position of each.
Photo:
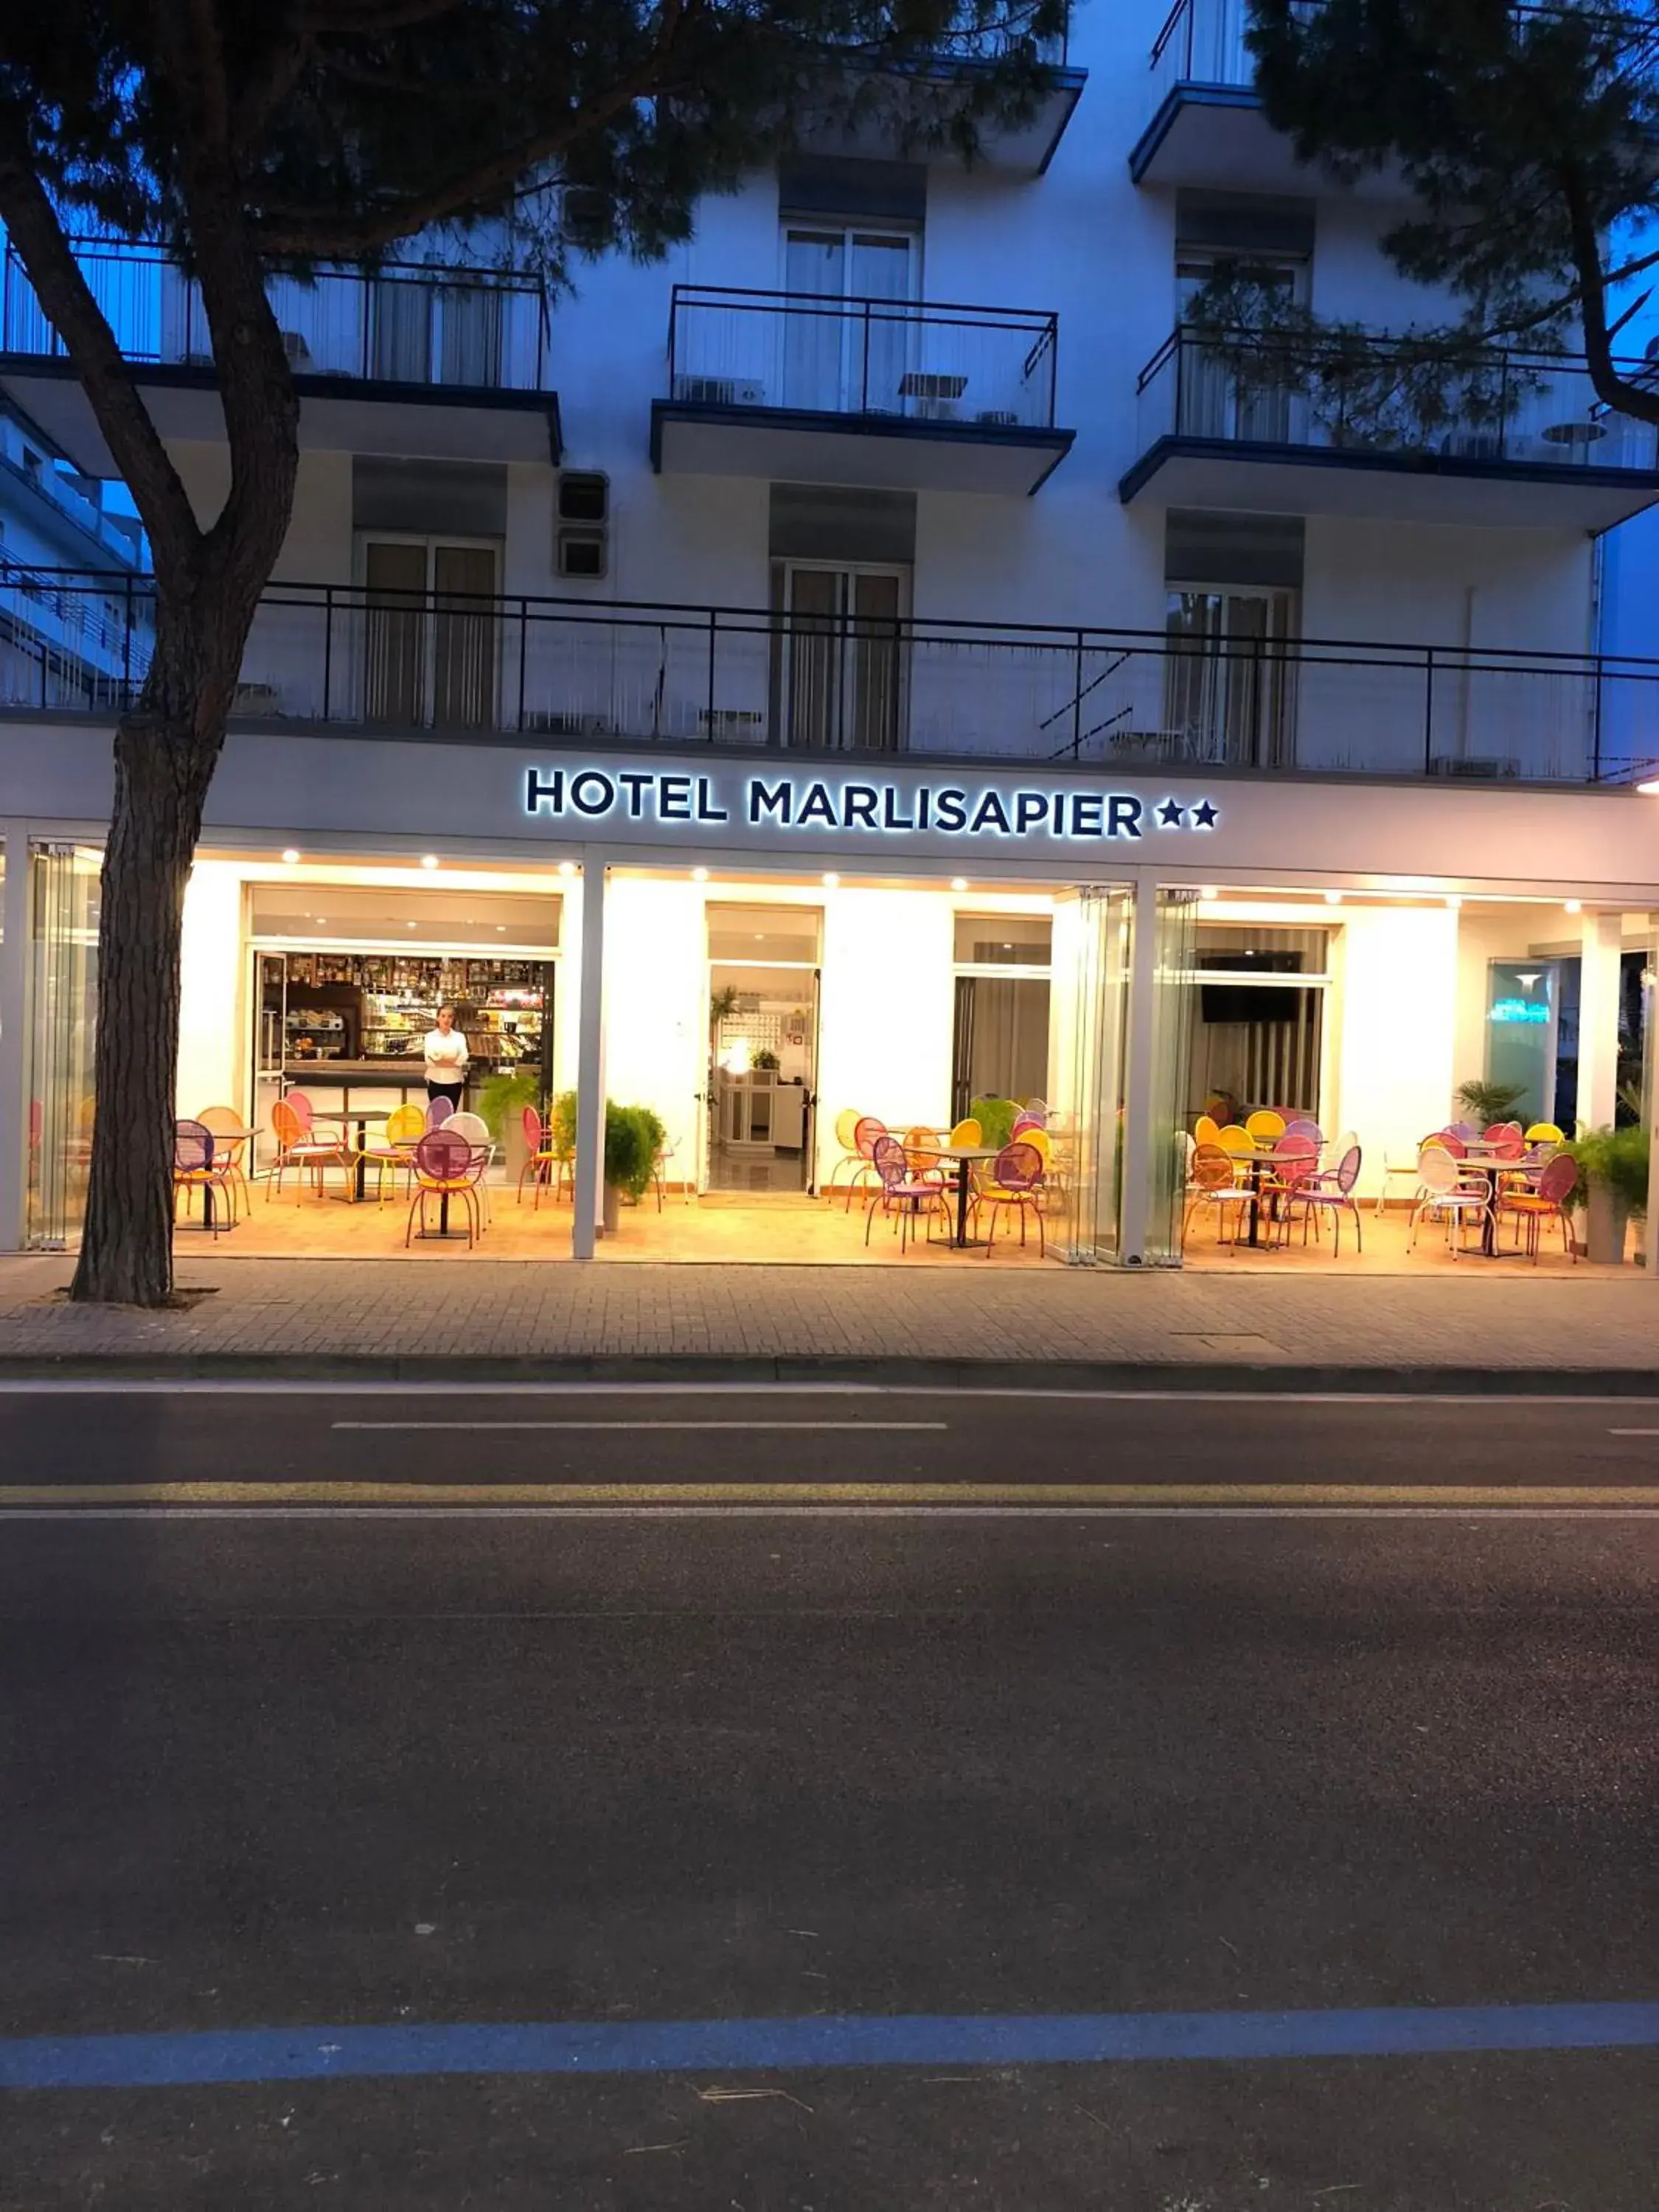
(1172, 813)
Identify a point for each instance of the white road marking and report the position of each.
(471, 1427)
(1633, 1432)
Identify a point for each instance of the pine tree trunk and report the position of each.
(165, 754)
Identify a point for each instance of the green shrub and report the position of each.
(504, 1096)
(632, 1136)
(1616, 1157)
(563, 1122)
(996, 1118)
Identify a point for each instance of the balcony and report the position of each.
(1205, 123)
(1023, 148)
(413, 362)
(561, 671)
(891, 393)
(1543, 452)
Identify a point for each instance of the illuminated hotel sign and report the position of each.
(595, 798)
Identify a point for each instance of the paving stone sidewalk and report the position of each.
(317, 1318)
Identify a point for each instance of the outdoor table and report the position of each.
(964, 1156)
(1489, 1163)
(1260, 1156)
(362, 1116)
(219, 1137)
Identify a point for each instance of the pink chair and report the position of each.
(868, 1133)
(1016, 1180)
(1331, 1194)
(1295, 1162)
(540, 1158)
(448, 1166)
(324, 1128)
(1557, 1180)
(911, 1195)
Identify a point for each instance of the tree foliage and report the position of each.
(1524, 140)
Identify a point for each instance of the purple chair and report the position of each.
(1016, 1180)
(192, 1167)
(913, 1195)
(1301, 1127)
(438, 1111)
(1333, 1193)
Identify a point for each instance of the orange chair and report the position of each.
(1213, 1182)
(310, 1154)
(222, 1123)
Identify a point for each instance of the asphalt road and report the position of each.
(351, 1763)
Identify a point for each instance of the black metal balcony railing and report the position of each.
(638, 672)
(403, 325)
(1202, 42)
(1532, 408)
(921, 361)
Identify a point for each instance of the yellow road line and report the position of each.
(1450, 1496)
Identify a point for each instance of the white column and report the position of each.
(14, 1037)
(588, 1200)
(1651, 1045)
(1139, 1057)
(1598, 1019)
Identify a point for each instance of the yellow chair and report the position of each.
(846, 1122)
(1039, 1141)
(1265, 1125)
(967, 1133)
(405, 1126)
(1545, 1133)
(1206, 1130)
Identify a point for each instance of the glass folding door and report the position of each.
(1093, 933)
(62, 982)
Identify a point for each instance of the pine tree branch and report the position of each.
(103, 369)
(1612, 389)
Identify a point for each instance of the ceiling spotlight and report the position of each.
(1333, 898)
(413, 924)
(290, 856)
(567, 867)
(830, 880)
(319, 919)
(1454, 901)
(958, 883)
(700, 875)
(428, 860)
(1574, 906)
(1208, 891)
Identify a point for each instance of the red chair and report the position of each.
(540, 1158)
(1557, 1180)
(866, 1137)
(446, 1165)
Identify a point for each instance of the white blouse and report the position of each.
(447, 1056)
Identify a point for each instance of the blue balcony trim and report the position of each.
(179, 376)
(824, 421)
(1145, 147)
(1405, 463)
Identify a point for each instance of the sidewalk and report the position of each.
(1061, 1328)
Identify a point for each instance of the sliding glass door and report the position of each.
(431, 638)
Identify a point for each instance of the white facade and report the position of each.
(1426, 625)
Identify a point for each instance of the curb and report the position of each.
(890, 1372)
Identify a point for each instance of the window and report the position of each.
(839, 660)
(999, 1040)
(851, 355)
(430, 632)
(581, 541)
(1257, 1018)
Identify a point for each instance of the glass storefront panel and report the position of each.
(1093, 931)
(1174, 915)
(62, 983)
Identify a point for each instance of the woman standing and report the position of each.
(447, 1056)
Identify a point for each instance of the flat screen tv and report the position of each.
(1250, 1002)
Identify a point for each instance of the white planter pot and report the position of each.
(1606, 1218)
(612, 1209)
(515, 1152)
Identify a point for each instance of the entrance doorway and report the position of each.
(760, 1095)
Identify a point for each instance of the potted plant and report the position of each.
(996, 1118)
(1613, 1188)
(501, 1100)
(632, 1137)
(1486, 1103)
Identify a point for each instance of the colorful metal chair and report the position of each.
(1332, 1193)
(911, 1196)
(447, 1166)
(224, 1123)
(1211, 1181)
(1444, 1195)
(192, 1168)
(1557, 1180)
(1016, 1180)
(303, 1147)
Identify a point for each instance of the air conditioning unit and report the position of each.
(736, 724)
(257, 699)
(719, 392)
(1003, 418)
(558, 722)
(1474, 771)
(937, 410)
